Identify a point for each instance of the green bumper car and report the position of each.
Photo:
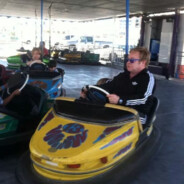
(20, 117)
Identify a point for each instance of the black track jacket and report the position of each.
(135, 92)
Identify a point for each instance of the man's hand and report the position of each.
(16, 92)
(113, 99)
(9, 98)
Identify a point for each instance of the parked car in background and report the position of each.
(82, 43)
(113, 52)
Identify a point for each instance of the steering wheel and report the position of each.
(96, 94)
(38, 66)
(17, 81)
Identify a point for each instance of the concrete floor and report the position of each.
(167, 167)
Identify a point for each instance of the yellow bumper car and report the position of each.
(80, 142)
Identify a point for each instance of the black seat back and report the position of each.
(89, 112)
(152, 115)
(29, 103)
(61, 71)
(3, 76)
(43, 74)
(25, 58)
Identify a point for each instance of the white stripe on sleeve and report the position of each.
(147, 93)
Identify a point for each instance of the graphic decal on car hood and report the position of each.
(47, 119)
(71, 135)
(107, 131)
(125, 149)
(119, 138)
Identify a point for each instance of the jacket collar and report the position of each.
(141, 72)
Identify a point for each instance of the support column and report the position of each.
(127, 33)
(50, 29)
(41, 26)
(142, 31)
(172, 63)
(127, 26)
(179, 67)
(36, 28)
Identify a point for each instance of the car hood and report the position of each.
(67, 139)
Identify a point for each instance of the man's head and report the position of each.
(52, 65)
(42, 43)
(138, 59)
(36, 54)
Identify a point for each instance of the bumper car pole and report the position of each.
(41, 27)
(127, 34)
(127, 26)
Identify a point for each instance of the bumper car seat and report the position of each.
(152, 115)
(3, 75)
(26, 57)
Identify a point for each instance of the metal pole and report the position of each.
(50, 28)
(142, 33)
(172, 62)
(114, 33)
(42, 26)
(127, 34)
(127, 26)
(35, 28)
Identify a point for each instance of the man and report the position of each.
(5, 101)
(135, 86)
(45, 51)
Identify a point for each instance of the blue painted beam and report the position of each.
(127, 26)
(42, 26)
(50, 29)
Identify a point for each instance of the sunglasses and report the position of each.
(133, 60)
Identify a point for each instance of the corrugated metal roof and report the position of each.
(85, 9)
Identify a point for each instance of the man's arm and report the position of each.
(8, 99)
